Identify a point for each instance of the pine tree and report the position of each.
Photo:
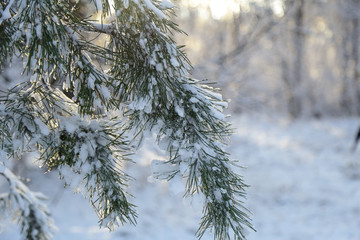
(88, 103)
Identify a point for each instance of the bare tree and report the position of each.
(355, 52)
(349, 24)
(292, 68)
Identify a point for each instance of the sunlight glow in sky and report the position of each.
(220, 9)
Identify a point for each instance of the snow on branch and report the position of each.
(27, 207)
(88, 156)
(152, 7)
(5, 14)
(84, 120)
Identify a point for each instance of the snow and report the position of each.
(141, 104)
(194, 100)
(2, 168)
(38, 30)
(159, 67)
(166, 5)
(91, 81)
(28, 37)
(174, 62)
(179, 110)
(70, 124)
(126, 3)
(157, 11)
(184, 168)
(6, 13)
(44, 130)
(161, 170)
(176, 185)
(143, 42)
(217, 114)
(304, 179)
(105, 92)
(27, 201)
(84, 153)
(218, 195)
(304, 184)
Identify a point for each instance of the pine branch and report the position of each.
(27, 207)
(86, 151)
(147, 84)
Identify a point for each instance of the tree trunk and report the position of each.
(355, 54)
(346, 93)
(296, 103)
(350, 98)
(292, 74)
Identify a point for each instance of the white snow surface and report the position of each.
(157, 11)
(304, 184)
(167, 4)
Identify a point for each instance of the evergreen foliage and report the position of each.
(88, 104)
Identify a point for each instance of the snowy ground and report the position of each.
(305, 184)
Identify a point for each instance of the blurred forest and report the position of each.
(293, 57)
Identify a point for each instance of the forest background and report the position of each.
(295, 57)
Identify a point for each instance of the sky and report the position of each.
(224, 8)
